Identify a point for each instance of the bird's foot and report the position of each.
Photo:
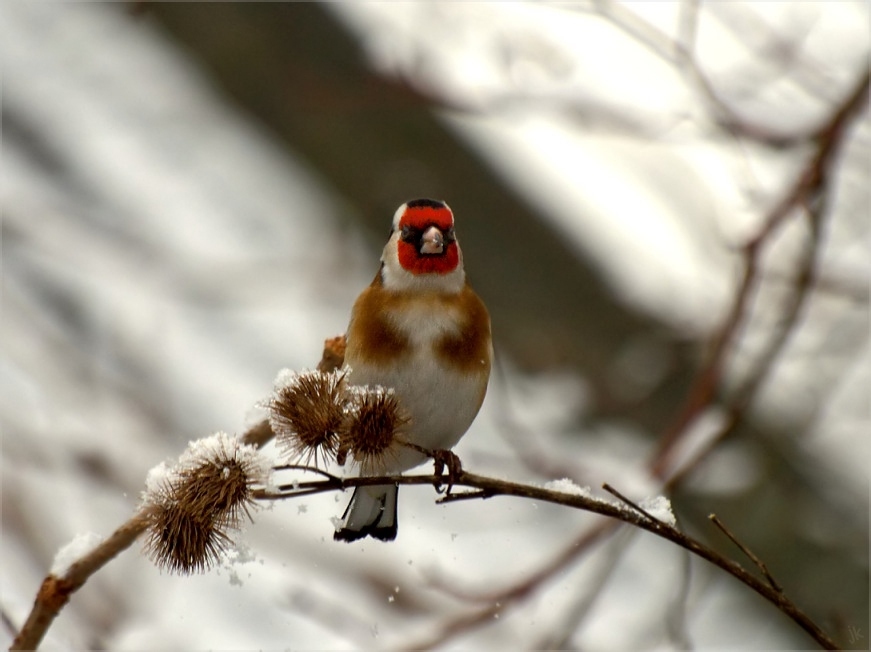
(445, 459)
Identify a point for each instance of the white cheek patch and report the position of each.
(397, 216)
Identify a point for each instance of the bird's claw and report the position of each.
(445, 459)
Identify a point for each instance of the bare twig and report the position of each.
(55, 592)
(465, 495)
(611, 490)
(307, 469)
(759, 563)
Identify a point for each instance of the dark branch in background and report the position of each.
(808, 194)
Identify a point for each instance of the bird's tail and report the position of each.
(371, 512)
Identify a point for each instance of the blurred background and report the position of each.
(194, 194)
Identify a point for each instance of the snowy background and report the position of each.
(165, 253)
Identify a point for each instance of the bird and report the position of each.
(421, 332)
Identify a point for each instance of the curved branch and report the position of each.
(625, 511)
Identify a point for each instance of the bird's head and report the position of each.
(422, 252)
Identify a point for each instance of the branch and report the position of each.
(807, 193)
(759, 564)
(486, 487)
(55, 592)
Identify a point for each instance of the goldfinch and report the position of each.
(420, 330)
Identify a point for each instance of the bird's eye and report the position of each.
(450, 236)
(408, 234)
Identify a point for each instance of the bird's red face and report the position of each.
(427, 244)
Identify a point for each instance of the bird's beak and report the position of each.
(432, 242)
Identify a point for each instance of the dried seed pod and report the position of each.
(372, 431)
(194, 505)
(306, 411)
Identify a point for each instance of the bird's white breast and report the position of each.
(441, 399)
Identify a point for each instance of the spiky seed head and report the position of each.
(194, 505)
(306, 410)
(373, 429)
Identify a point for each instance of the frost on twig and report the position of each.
(656, 509)
(80, 546)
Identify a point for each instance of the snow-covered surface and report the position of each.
(659, 507)
(221, 446)
(568, 486)
(207, 450)
(162, 258)
(80, 546)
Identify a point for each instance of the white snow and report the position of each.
(287, 377)
(568, 486)
(374, 391)
(80, 546)
(659, 507)
(235, 557)
(159, 476)
(221, 446)
(208, 450)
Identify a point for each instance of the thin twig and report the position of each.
(465, 495)
(759, 563)
(56, 591)
(307, 469)
(611, 490)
